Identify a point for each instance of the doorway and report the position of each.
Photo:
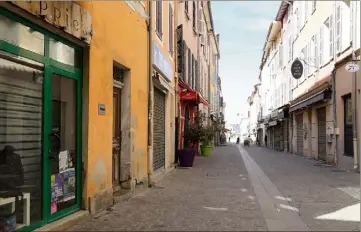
(117, 140)
(62, 115)
(321, 121)
(348, 134)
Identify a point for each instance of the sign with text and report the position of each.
(67, 15)
(297, 69)
(188, 96)
(162, 63)
(351, 67)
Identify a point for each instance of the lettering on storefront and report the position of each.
(162, 63)
(67, 15)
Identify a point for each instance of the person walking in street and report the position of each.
(229, 139)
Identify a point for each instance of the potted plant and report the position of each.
(207, 140)
(192, 137)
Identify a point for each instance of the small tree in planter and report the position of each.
(196, 131)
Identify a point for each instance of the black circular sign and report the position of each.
(297, 69)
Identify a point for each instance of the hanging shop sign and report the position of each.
(66, 15)
(297, 69)
(351, 67)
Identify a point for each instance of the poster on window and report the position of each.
(56, 187)
(69, 184)
(63, 160)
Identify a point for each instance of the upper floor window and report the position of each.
(321, 44)
(329, 25)
(171, 36)
(159, 19)
(194, 14)
(338, 29)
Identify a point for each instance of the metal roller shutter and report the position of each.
(321, 120)
(159, 130)
(299, 122)
(285, 135)
(277, 136)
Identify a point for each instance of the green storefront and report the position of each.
(40, 118)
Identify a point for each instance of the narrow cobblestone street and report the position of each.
(229, 191)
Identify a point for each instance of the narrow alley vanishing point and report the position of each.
(242, 190)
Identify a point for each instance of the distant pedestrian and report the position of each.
(229, 139)
(265, 140)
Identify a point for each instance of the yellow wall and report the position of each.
(120, 34)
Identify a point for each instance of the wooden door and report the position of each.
(116, 137)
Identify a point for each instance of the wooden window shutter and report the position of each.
(189, 66)
(184, 60)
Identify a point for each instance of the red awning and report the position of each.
(203, 101)
(188, 96)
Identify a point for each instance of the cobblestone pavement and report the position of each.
(315, 191)
(213, 195)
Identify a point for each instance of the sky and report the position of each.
(243, 26)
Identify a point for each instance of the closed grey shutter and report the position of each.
(299, 126)
(321, 121)
(159, 130)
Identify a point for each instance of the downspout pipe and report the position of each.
(333, 79)
(354, 120)
(150, 94)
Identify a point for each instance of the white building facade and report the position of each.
(299, 115)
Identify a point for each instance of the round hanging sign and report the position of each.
(297, 69)
(350, 67)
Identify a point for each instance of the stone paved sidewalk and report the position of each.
(312, 189)
(213, 195)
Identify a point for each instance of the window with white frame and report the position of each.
(315, 52)
(303, 56)
(329, 25)
(290, 48)
(298, 21)
(310, 58)
(321, 47)
(338, 29)
(306, 11)
(280, 51)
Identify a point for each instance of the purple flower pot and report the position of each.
(186, 157)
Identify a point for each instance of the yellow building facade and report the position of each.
(118, 81)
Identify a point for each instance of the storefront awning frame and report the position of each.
(324, 95)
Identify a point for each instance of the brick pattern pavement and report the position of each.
(213, 195)
(314, 190)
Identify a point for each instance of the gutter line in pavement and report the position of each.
(277, 218)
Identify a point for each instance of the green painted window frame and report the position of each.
(51, 67)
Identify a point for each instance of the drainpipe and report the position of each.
(354, 121)
(333, 79)
(150, 94)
